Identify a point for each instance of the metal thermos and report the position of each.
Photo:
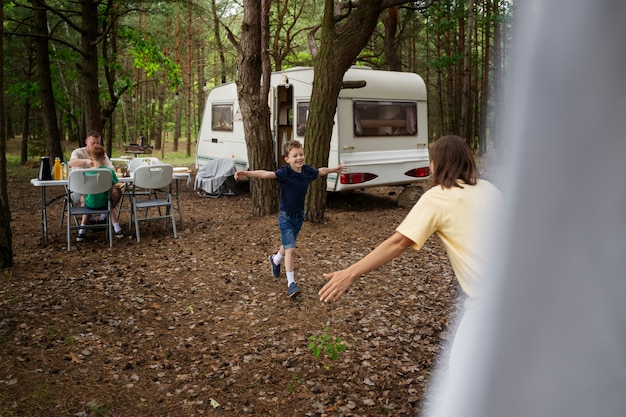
(45, 170)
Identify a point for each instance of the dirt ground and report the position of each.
(199, 326)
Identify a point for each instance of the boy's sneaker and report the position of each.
(80, 237)
(275, 268)
(119, 234)
(293, 290)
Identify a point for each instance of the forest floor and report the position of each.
(199, 326)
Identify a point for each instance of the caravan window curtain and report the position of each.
(385, 118)
(302, 114)
(222, 117)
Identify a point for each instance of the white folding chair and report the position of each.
(129, 187)
(152, 178)
(89, 181)
(136, 163)
(150, 160)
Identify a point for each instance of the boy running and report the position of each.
(293, 179)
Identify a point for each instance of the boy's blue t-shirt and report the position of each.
(97, 201)
(293, 187)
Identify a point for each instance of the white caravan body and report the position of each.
(380, 130)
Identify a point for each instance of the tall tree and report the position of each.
(346, 28)
(6, 246)
(218, 42)
(390, 21)
(53, 137)
(286, 15)
(466, 78)
(252, 88)
(89, 67)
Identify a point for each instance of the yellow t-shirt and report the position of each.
(459, 216)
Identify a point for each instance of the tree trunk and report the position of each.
(177, 103)
(340, 44)
(390, 21)
(159, 120)
(189, 115)
(89, 65)
(53, 139)
(252, 90)
(25, 132)
(466, 76)
(6, 246)
(218, 42)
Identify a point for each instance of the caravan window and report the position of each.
(302, 109)
(385, 118)
(222, 117)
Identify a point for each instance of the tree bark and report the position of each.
(466, 76)
(390, 21)
(53, 139)
(6, 246)
(89, 68)
(252, 90)
(218, 42)
(342, 38)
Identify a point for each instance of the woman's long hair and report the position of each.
(453, 161)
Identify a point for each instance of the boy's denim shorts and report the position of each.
(289, 225)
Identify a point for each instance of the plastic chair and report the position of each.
(130, 187)
(136, 163)
(88, 181)
(150, 160)
(150, 179)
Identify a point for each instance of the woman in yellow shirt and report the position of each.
(457, 209)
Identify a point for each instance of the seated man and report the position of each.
(81, 158)
(97, 201)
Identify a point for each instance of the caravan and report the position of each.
(380, 132)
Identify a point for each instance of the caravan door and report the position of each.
(283, 120)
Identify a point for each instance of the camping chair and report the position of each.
(216, 178)
(151, 178)
(130, 187)
(88, 181)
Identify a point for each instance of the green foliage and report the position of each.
(298, 59)
(97, 409)
(446, 61)
(324, 342)
(179, 158)
(147, 55)
(40, 392)
(291, 385)
(26, 90)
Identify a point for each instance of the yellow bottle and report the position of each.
(58, 171)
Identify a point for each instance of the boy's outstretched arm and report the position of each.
(255, 174)
(338, 169)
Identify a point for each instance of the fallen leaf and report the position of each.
(74, 358)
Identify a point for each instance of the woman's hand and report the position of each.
(337, 285)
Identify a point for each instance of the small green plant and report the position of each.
(41, 392)
(53, 332)
(291, 386)
(97, 409)
(330, 345)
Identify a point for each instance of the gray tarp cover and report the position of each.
(213, 174)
